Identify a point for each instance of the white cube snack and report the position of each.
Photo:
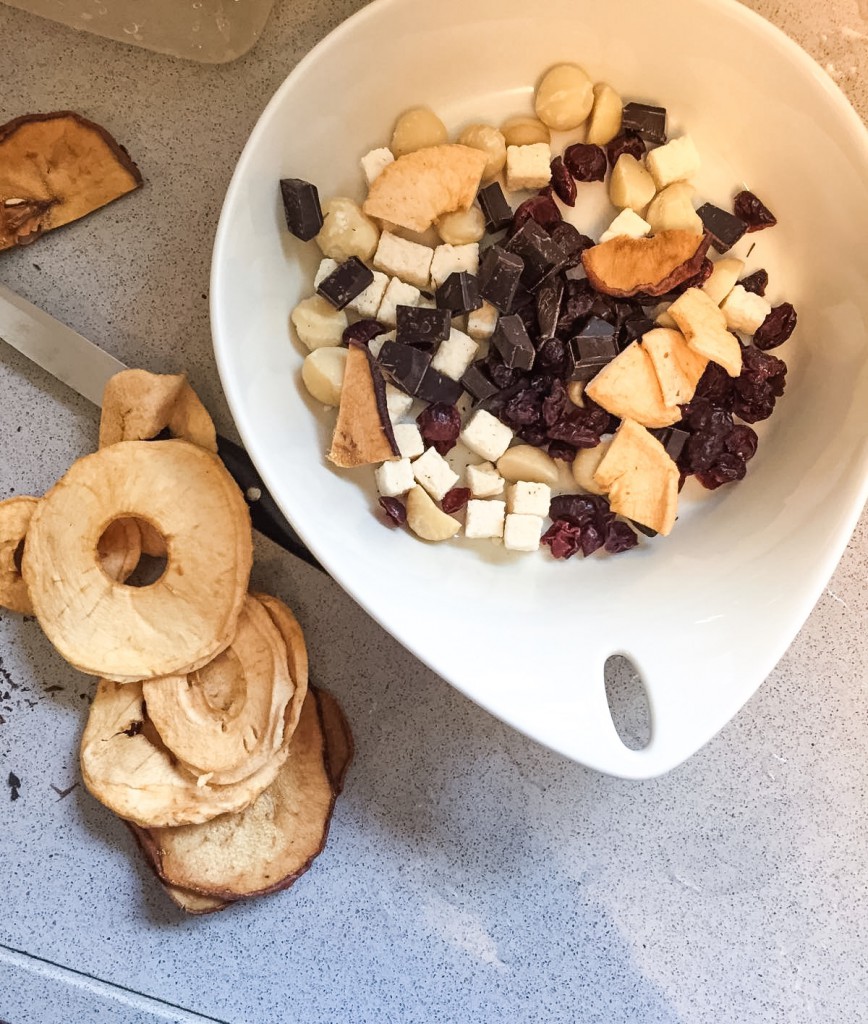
(394, 478)
(409, 440)
(374, 162)
(452, 259)
(367, 302)
(484, 519)
(486, 435)
(377, 342)
(527, 498)
(397, 294)
(398, 403)
(484, 481)
(678, 160)
(409, 261)
(326, 267)
(744, 311)
(628, 223)
(528, 166)
(481, 322)
(454, 355)
(435, 474)
(522, 532)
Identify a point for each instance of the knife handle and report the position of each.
(264, 513)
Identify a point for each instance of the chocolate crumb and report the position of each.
(134, 729)
(14, 784)
(63, 793)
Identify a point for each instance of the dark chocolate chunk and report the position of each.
(405, 365)
(645, 120)
(571, 242)
(643, 529)
(591, 350)
(437, 387)
(345, 282)
(635, 327)
(725, 228)
(673, 440)
(539, 251)
(512, 341)
(497, 211)
(459, 293)
(499, 274)
(301, 207)
(478, 384)
(548, 305)
(422, 326)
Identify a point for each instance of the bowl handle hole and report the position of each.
(628, 702)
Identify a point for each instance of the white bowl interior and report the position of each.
(703, 614)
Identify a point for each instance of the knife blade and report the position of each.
(86, 368)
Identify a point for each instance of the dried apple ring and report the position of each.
(185, 618)
(138, 405)
(226, 720)
(15, 516)
(120, 549)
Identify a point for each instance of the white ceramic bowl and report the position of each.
(704, 614)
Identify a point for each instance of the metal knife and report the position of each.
(85, 368)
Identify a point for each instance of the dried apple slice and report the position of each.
(640, 478)
(15, 516)
(628, 387)
(137, 406)
(419, 187)
(226, 720)
(189, 615)
(54, 169)
(704, 326)
(677, 366)
(120, 549)
(624, 266)
(363, 433)
(269, 845)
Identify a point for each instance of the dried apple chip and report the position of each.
(677, 366)
(189, 615)
(624, 266)
(269, 845)
(363, 432)
(54, 169)
(137, 406)
(628, 387)
(704, 326)
(15, 516)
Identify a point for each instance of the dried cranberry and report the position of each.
(552, 356)
(522, 410)
(757, 282)
(620, 537)
(440, 425)
(698, 279)
(396, 514)
(742, 441)
(455, 500)
(563, 183)
(726, 469)
(776, 327)
(563, 538)
(579, 508)
(627, 142)
(761, 382)
(543, 209)
(533, 435)
(586, 162)
(361, 332)
(562, 450)
(554, 404)
(579, 297)
(753, 212)
(500, 374)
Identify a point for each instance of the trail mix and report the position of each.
(486, 356)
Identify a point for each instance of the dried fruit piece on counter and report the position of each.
(703, 324)
(137, 406)
(419, 187)
(15, 516)
(266, 847)
(55, 169)
(227, 720)
(640, 478)
(105, 629)
(628, 387)
(625, 266)
(363, 433)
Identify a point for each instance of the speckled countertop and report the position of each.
(470, 874)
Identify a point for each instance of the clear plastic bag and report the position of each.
(211, 31)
